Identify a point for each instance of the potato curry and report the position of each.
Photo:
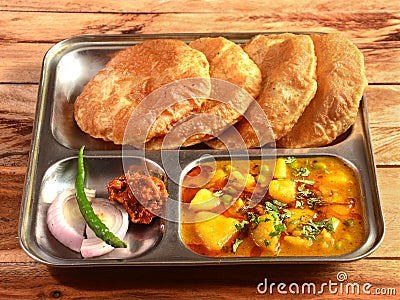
(311, 207)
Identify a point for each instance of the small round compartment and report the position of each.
(141, 238)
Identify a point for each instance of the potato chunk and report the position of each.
(250, 182)
(283, 190)
(216, 230)
(218, 175)
(325, 239)
(335, 180)
(296, 241)
(281, 170)
(262, 233)
(204, 200)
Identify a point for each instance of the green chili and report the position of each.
(93, 221)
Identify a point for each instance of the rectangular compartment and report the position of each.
(208, 179)
(71, 64)
(56, 140)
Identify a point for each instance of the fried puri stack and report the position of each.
(308, 86)
(288, 67)
(227, 103)
(341, 83)
(107, 102)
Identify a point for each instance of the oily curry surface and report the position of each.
(311, 207)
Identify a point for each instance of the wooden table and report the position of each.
(29, 28)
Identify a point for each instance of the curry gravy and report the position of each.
(311, 207)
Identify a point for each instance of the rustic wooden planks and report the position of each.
(363, 27)
(23, 44)
(189, 6)
(17, 114)
(29, 28)
(384, 116)
(33, 281)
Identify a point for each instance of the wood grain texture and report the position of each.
(190, 6)
(25, 38)
(21, 62)
(386, 143)
(11, 194)
(29, 28)
(384, 105)
(387, 179)
(17, 114)
(384, 117)
(214, 282)
(363, 27)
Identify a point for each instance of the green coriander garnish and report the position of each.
(312, 229)
(303, 171)
(290, 159)
(299, 204)
(236, 245)
(218, 193)
(241, 225)
(314, 201)
(286, 214)
(270, 206)
(278, 203)
(303, 191)
(305, 181)
(279, 228)
(256, 219)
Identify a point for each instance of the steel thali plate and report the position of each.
(67, 67)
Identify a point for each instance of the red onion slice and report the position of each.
(64, 220)
(116, 219)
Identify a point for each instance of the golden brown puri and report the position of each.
(288, 66)
(341, 84)
(108, 100)
(259, 46)
(196, 128)
(228, 62)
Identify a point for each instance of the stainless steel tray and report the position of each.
(67, 67)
